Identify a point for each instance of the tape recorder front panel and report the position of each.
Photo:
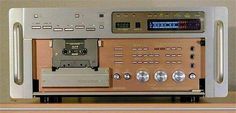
(134, 65)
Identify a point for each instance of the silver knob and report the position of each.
(178, 76)
(116, 76)
(160, 76)
(127, 76)
(142, 76)
(192, 76)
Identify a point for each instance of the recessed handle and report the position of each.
(219, 51)
(18, 53)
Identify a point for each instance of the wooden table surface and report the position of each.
(124, 105)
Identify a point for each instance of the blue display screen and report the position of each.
(164, 25)
(173, 24)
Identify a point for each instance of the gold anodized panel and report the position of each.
(133, 55)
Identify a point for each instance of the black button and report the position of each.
(192, 65)
(137, 25)
(101, 15)
(192, 56)
(192, 48)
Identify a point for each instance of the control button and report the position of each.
(127, 76)
(116, 76)
(137, 25)
(173, 62)
(134, 49)
(156, 62)
(140, 55)
(160, 76)
(150, 62)
(173, 55)
(167, 62)
(145, 48)
(77, 15)
(167, 48)
(118, 55)
(156, 55)
(162, 48)
(142, 76)
(192, 48)
(145, 55)
(140, 62)
(134, 62)
(179, 48)
(69, 29)
(192, 76)
(36, 27)
(178, 76)
(101, 15)
(90, 29)
(167, 55)
(151, 55)
(173, 48)
(101, 27)
(118, 48)
(79, 26)
(145, 62)
(192, 56)
(134, 55)
(192, 65)
(47, 27)
(179, 55)
(36, 16)
(57, 29)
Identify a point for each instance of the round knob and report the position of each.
(116, 76)
(127, 76)
(178, 76)
(160, 76)
(192, 76)
(142, 76)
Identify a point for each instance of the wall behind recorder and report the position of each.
(5, 5)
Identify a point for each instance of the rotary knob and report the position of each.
(178, 76)
(142, 76)
(127, 76)
(160, 76)
(116, 76)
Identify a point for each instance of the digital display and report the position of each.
(122, 25)
(177, 24)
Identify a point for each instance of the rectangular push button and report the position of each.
(69, 29)
(47, 27)
(57, 29)
(36, 27)
(90, 29)
(79, 27)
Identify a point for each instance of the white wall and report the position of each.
(5, 5)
